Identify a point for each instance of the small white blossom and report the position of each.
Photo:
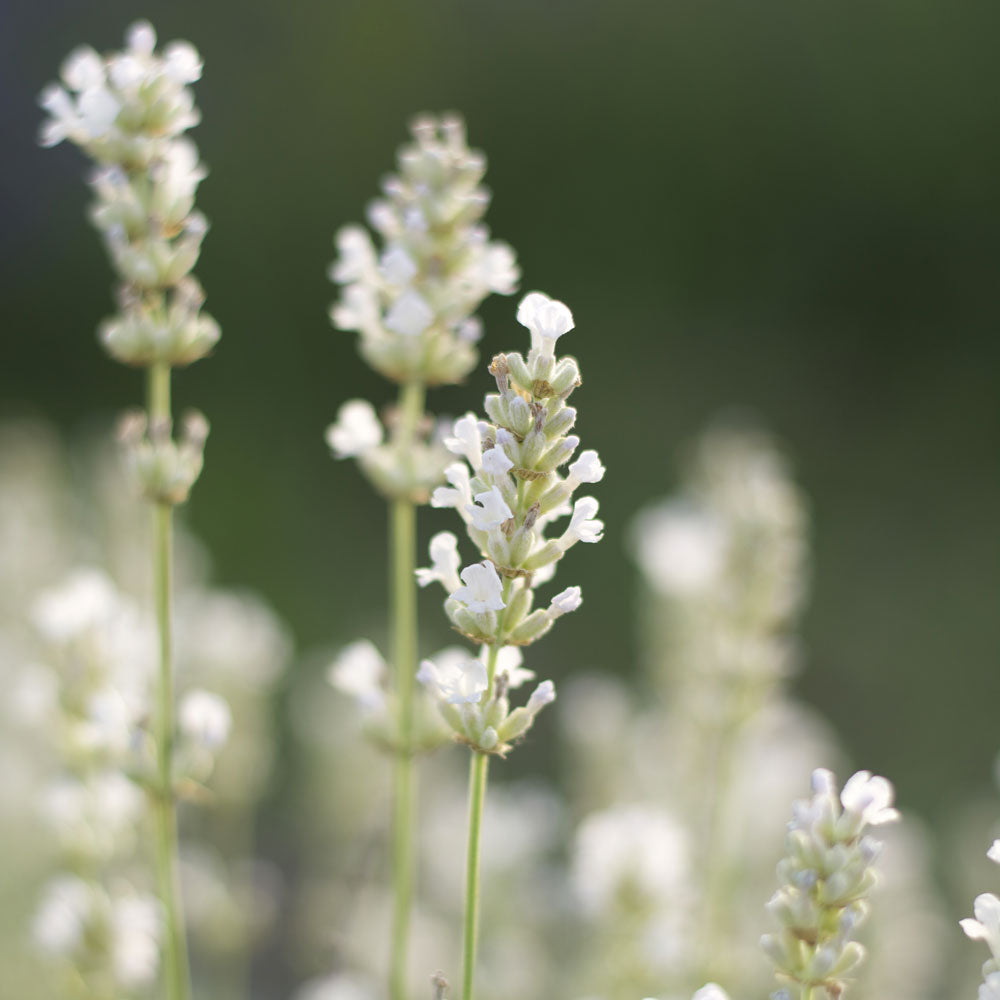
(360, 671)
(543, 695)
(490, 510)
(547, 319)
(994, 852)
(869, 797)
(459, 494)
(482, 591)
(445, 562)
(87, 600)
(680, 547)
(466, 440)
(587, 468)
(711, 991)
(357, 260)
(397, 266)
(206, 718)
(583, 526)
(498, 270)
(356, 431)
(135, 939)
(635, 846)
(66, 910)
(496, 462)
(456, 680)
(410, 314)
(470, 331)
(565, 601)
(509, 660)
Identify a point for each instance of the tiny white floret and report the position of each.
(547, 319)
(445, 561)
(566, 601)
(206, 718)
(483, 590)
(490, 510)
(357, 430)
(458, 680)
(870, 797)
(410, 314)
(360, 671)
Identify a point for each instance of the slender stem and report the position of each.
(478, 766)
(405, 658)
(403, 533)
(175, 959)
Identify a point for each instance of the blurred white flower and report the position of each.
(135, 939)
(637, 848)
(455, 679)
(356, 430)
(205, 718)
(360, 671)
(87, 600)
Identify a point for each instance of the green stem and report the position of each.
(176, 974)
(403, 531)
(478, 766)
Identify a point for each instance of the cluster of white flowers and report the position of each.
(91, 699)
(360, 671)
(985, 926)
(113, 935)
(128, 111)
(508, 491)
(728, 556)
(827, 875)
(413, 302)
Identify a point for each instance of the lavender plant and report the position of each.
(827, 876)
(412, 305)
(508, 491)
(129, 111)
(985, 926)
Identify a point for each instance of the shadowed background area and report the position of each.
(791, 208)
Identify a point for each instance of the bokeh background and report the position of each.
(787, 208)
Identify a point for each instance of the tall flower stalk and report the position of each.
(827, 874)
(128, 111)
(412, 304)
(508, 491)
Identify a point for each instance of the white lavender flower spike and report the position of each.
(508, 491)
(412, 302)
(827, 875)
(985, 926)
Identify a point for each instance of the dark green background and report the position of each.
(792, 207)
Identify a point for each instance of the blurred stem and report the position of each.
(176, 974)
(404, 623)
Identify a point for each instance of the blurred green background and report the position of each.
(788, 207)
